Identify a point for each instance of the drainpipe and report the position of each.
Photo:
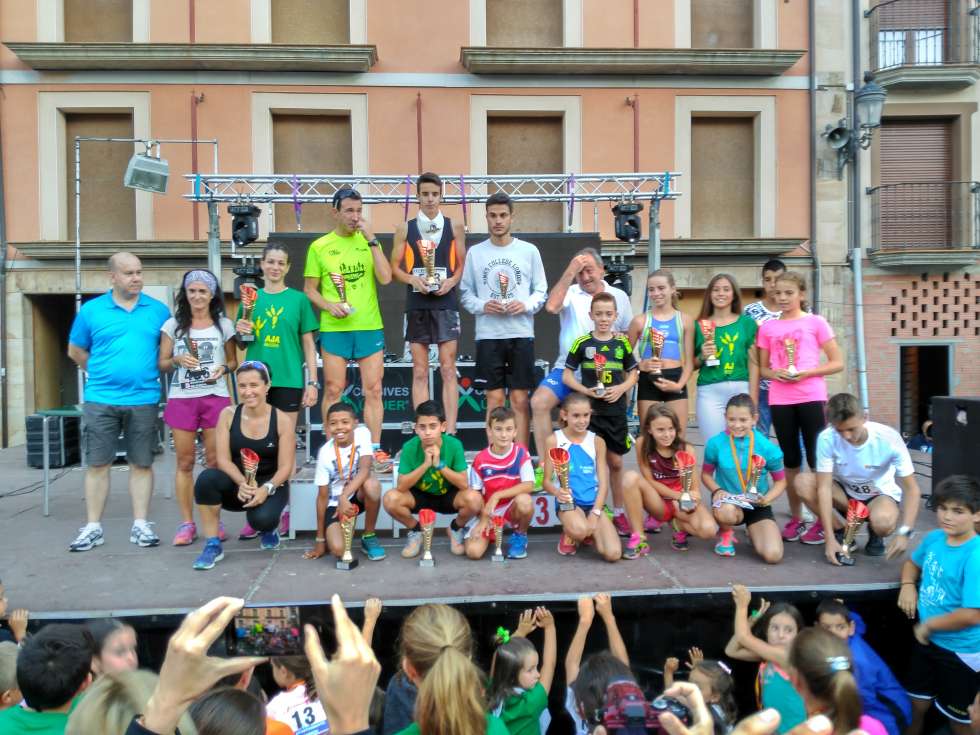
(418, 129)
(814, 253)
(854, 196)
(3, 308)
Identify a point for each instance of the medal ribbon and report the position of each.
(340, 465)
(744, 481)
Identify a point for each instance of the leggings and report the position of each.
(214, 487)
(712, 399)
(794, 419)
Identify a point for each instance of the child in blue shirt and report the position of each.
(726, 473)
(941, 582)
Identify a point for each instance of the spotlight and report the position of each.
(618, 273)
(245, 224)
(628, 221)
(147, 173)
(247, 272)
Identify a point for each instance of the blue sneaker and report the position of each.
(270, 540)
(372, 547)
(211, 555)
(518, 546)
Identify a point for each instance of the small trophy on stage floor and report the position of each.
(249, 294)
(427, 249)
(656, 348)
(857, 514)
(790, 344)
(708, 330)
(347, 523)
(427, 519)
(600, 375)
(503, 280)
(498, 539)
(756, 465)
(561, 461)
(685, 465)
(340, 284)
(250, 465)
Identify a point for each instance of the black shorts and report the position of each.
(285, 399)
(647, 390)
(757, 514)
(505, 363)
(431, 326)
(438, 503)
(614, 430)
(939, 674)
(331, 515)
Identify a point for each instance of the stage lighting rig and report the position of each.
(618, 273)
(244, 224)
(628, 221)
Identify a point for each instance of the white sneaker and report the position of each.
(807, 516)
(89, 536)
(142, 535)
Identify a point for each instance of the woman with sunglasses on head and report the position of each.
(265, 430)
(196, 345)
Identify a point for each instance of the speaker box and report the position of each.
(64, 441)
(955, 428)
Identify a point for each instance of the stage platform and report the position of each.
(120, 579)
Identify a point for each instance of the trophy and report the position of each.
(250, 465)
(341, 285)
(504, 281)
(248, 294)
(656, 348)
(427, 249)
(790, 344)
(191, 346)
(561, 461)
(756, 465)
(708, 330)
(600, 375)
(857, 514)
(685, 465)
(347, 523)
(427, 519)
(498, 539)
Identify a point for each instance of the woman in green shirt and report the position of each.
(724, 352)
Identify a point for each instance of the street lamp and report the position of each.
(849, 135)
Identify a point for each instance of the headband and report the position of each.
(202, 276)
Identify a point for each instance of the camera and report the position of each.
(627, 711)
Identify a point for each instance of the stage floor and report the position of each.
(118, 578)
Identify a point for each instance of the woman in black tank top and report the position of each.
(257, 426)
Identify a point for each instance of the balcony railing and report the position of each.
(923, 33)
(925, 216)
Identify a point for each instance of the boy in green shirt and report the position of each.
(432, 474)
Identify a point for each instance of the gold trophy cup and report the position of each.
(685, 465)
(347, 561)
(250, 465)
(756, 465)
(503, 280)
(857, 514)
(561, 461)
(600, 375)
(790, 344)
(498, 539)
(427, 249)
(191, 346)
(427, 519)
(708, 330)
(340, 284)
(656, 348)
(249, 294)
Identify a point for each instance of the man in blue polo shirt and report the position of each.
(116, 340)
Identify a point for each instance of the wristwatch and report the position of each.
(905, 531)
(374, 242)
(315, 384)
(440, 465)
(271, 488)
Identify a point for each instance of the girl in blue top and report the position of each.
(588, 481)
(727, 471)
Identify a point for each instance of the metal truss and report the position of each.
(461, 189)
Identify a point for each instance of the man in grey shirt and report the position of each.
(503, 286)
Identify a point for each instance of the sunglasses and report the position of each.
(253, 365)
(342, 194)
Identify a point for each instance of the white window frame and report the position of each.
(261, 21)
(51, 21)
(765, 24)
(572, 30)
(483, 106)
(266, 104)
(763, 112)
(54, 164)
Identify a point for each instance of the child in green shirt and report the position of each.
(518, 692)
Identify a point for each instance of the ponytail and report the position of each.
(824, 663)
(299, 667)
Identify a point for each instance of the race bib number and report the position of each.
(443, 274)
(303, 720)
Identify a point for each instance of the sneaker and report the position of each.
(566, 547)
(89, 536)
(875, 545)
(142, 534)
(622, 524)
(679, 541)
(186, 534)
(538, 477)
(517, 548)
(212, 554)
(793, 530)
(413, 544)
(284, 522)
(247, 532)
(383, 463)
(456, 539)
(635, 547)
(807, 515)
(726, 543)
(270, 540)
(372, 547)
(222, 534)
(814, 535)
(652, 525)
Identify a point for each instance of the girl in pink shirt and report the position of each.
(789, 356)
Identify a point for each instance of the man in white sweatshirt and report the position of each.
(503, 286)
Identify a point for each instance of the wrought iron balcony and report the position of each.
(919, 43)
(915, 223)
